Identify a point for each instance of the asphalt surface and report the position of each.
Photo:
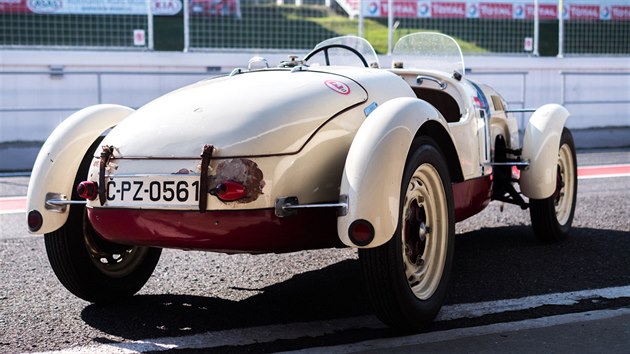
(497, 257)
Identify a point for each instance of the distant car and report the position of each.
(324, 151)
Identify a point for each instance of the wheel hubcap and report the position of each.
(424, 230)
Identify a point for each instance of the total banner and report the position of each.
(547, 10)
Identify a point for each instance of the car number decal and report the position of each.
(338, 86)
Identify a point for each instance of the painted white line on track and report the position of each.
(460, 333)
(268, 334)
(479, 309)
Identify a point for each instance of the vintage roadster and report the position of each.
(325, 151)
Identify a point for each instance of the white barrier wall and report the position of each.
(38, 89)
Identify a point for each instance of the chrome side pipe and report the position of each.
(286, 206)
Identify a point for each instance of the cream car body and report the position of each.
(310, 154)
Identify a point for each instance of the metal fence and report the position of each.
(545, 27)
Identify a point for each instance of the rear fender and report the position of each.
(540, 148)
(59, 158)
(375, 164)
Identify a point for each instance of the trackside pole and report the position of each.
(390, 26)
(560, 30)
(361, 18)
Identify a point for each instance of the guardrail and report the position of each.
(563, 87)
(99, 83)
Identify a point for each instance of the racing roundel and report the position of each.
(338, 86)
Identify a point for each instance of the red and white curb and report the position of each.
(12, 205)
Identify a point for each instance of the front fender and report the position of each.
(540, 147)
(59, 158)
(374, 167)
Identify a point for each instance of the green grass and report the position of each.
(377, 34)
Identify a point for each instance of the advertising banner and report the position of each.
(448, 9)
(92, 7)
(499, 9)
(583, 12)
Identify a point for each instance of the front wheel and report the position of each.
(552, 217)
(407, 277)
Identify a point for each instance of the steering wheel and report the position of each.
(325, 49)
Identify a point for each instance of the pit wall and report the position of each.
(38, 89)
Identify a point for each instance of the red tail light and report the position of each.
(87, 190)
(229, 191)
(361, 232)
(35, 220)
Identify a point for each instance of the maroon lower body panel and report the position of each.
(471, 196)
(247, 231)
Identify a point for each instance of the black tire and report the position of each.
(387, 268)
(90, 267)
(552, 217)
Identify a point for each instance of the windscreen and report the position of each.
(342, 56)
(428, 50)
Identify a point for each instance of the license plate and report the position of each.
(168, 191)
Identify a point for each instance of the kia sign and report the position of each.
(92, 7)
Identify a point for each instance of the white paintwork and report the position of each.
(312, 174)
(374, 166)
(465, 132)
(540, 148)
(254, 113)
(59, 159)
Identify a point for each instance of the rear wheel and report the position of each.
(89, 266)
(407, 277)
(552, 217)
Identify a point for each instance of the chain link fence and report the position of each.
(74, 24)
(569, 27)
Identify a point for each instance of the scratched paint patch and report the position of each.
(338, 86)
(243, 171)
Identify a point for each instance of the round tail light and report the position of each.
(88, 190)
(361, 232)
(35, 220)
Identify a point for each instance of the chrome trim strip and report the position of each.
(62, 202)
(286, 206)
